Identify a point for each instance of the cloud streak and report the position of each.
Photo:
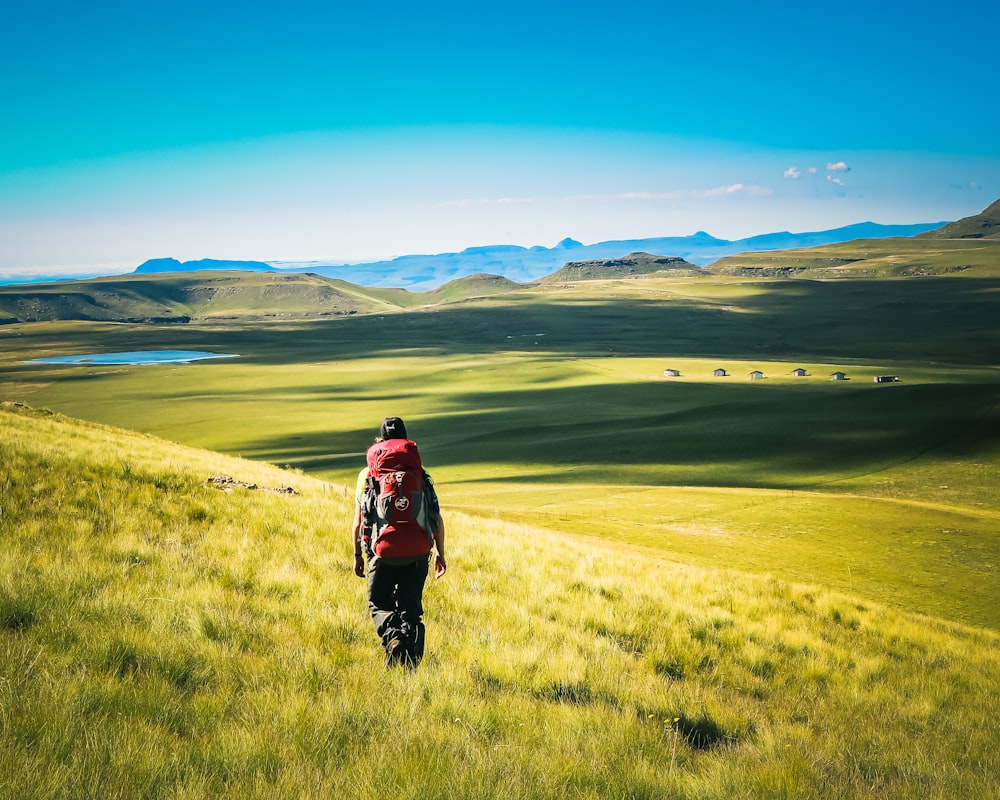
(727, 190)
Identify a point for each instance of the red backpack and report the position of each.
(395, 502)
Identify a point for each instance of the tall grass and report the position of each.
(160, 638)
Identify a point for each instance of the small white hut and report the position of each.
(838, 376)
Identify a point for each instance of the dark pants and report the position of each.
(395, 597)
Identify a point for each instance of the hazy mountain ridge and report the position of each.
(422, 272)
(164, 294)
(523, 264)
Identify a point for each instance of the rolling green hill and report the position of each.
(872, 258)
(979, 226)
(160, 638)
(473, 286)
(184, 297)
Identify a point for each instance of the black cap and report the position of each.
(392, 428)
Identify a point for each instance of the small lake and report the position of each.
(135, 357)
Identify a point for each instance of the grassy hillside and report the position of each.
(980, 226)
(161, 638)
(872, 258)
(181, 297)
(473, 286)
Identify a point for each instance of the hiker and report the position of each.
(397, 523)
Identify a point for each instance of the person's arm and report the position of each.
(359, 559)
(440, 565)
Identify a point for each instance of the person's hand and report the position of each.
(359, 565)
(440, 566)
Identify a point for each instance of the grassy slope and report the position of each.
(213, 294)
(159, 638)
(983, 225)
(480, 285)
(874, 258)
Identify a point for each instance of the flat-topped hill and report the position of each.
(631, 265)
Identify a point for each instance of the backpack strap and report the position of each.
(370, 528)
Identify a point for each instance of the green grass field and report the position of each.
(162, 638)
(796, 570)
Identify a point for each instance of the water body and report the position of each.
(135, 357)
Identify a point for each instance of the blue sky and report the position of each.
(299, 130)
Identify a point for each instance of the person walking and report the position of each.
(397, 525)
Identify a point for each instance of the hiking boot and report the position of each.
(395, 651)
(410, 659)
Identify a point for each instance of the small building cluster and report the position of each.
(798, 372)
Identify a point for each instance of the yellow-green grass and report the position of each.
(867, 258)
(934, 559)
(162, 638)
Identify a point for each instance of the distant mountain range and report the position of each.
(526, 264)
(169, 291)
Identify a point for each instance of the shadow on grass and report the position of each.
(685, 434)
(946, 319)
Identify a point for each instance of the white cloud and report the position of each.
(812, 170)
(689, 194)
(735, 188)
(625, 196)
(471, 202)
(721, 191)
(837, 181)
(839, 166)
(718, 191)
(647, 196)
(792, 172)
